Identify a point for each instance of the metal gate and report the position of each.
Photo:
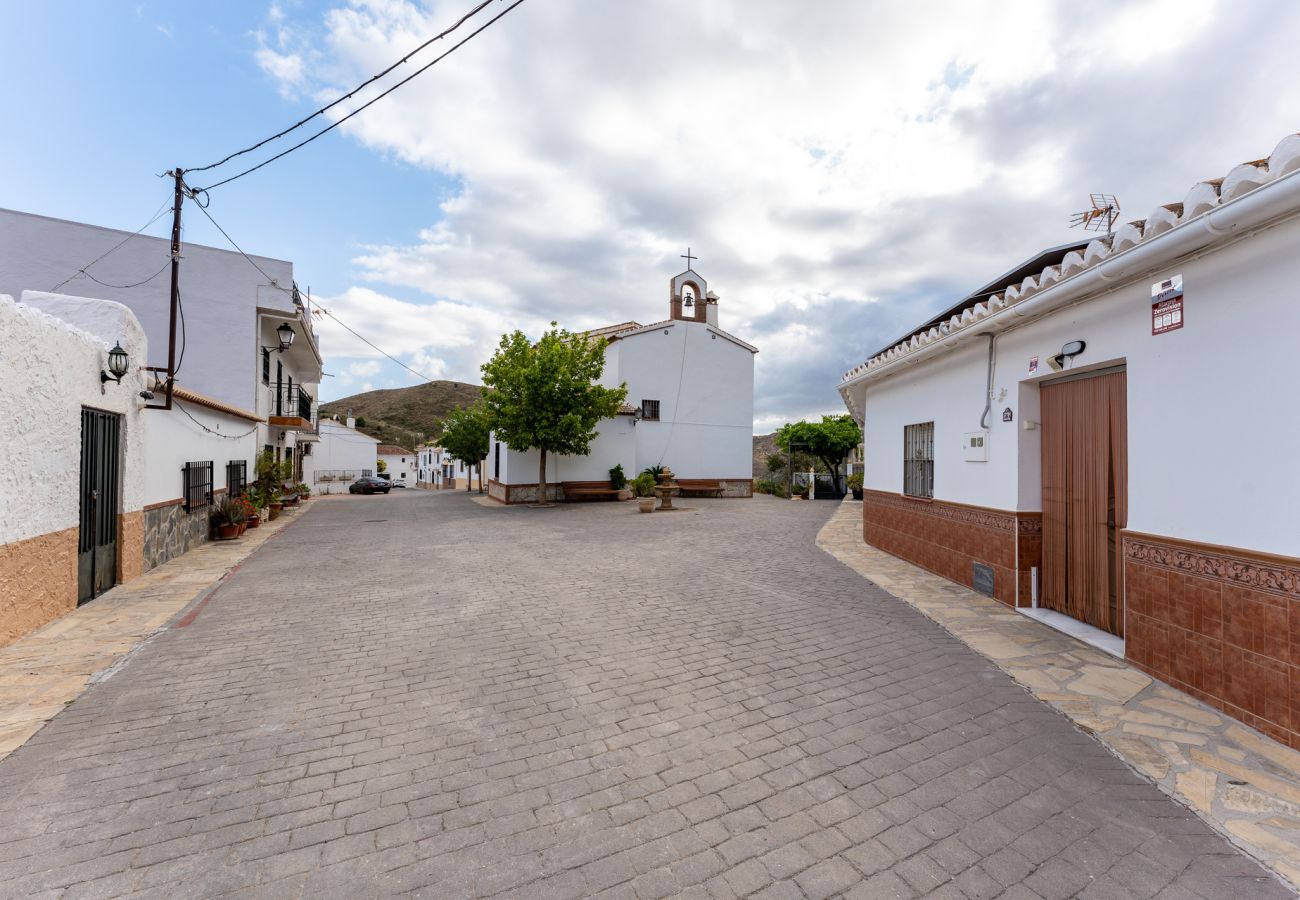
(97, 546)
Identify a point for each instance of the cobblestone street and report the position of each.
(421, 694)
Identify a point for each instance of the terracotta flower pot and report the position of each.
(646, 504)
(254, 521)
(239, 532)
(227, 531)
(275, 511)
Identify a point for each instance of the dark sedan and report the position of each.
(369, 485)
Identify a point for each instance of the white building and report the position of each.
(399, 463)
(436, 469)
(246, 353)
(690, 406)
(1106, 439)
(340, 457)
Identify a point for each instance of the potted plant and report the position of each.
(645, 491)
(228, 515)
(302, 490)
(855, 485)
(275, 502)
(252, 505)
(618, 481)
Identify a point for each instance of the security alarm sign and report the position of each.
(1167, 305)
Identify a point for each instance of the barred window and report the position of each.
(918, 460)
(237, 476)
(197, 482)
(650, 410)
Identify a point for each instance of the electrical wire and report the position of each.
(229, 437)
(369, 102)
(318, 307)
(167, 204)
(348, 96)
(123, 287)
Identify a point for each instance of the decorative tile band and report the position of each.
(1281, 577)
(1029, 523)
(982, 517)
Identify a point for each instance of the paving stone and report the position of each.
(503, 712)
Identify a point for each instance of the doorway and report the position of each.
(1085, 496)
(97, 540)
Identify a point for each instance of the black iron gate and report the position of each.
(97, 546)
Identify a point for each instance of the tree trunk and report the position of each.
(541, 477)
(481, 464)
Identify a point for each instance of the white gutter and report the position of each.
(1261, 206)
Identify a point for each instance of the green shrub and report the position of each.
(645, 485)
(855, 481)
(617, 480)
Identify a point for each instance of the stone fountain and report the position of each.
(665, 489)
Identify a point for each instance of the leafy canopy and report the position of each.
(465, 433)
(830, 440)
(546, 395)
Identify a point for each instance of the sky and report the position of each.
(843, 169)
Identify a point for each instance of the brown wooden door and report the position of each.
(1085, 497)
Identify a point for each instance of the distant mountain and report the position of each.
(404, 416)
(764, 446)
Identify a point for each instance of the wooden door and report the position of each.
(97, 539)
(1085, 496)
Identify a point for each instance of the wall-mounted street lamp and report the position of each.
(118, 362)
(286, 335)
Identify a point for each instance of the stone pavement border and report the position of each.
(1243, 784)
(42, 672)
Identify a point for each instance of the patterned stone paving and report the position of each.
(415, 694)
(1244, 784)
(46, 670)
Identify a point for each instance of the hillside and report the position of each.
(404, 416)
(764, 446)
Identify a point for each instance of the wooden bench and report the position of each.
(577, 490)
(699, 486)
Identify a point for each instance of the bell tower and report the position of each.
(689, 297)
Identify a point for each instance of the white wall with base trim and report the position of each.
(340, 449)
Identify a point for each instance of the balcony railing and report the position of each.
(291, 401)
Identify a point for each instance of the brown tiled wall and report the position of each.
(1219, 623)
(948, 538)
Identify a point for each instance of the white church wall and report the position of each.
(1212, 431)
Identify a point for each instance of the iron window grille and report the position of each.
(197, 481)
(918, 460)
(650, 410)
(236, 476)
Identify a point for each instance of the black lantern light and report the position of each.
(118, 362)
(286, 334)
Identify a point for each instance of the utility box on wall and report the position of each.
(975, 446)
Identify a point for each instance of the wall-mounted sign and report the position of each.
(1167, 305)
(1006, 414)
(1033, 364)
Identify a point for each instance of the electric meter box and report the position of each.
(976, 446)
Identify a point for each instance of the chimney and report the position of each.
(711, 308)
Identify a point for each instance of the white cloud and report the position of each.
(842, 169)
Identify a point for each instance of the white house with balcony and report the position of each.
(690, 406)
(341, 456)
(246, 357)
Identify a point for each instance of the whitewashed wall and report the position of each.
(221, 293)
(1213, 414)
(53, 350)
(706, 400)
(340, 447)
(401, 467)
(175, 439)
(615, 444)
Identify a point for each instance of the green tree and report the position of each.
(465, 436)
(381, 466)
(546, 395)
(830, 440)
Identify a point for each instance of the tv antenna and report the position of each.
(1104, 212)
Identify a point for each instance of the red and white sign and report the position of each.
(1033, 364)
(1167, 305)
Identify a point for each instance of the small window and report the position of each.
(650, 410)
(918, 460)
(197, 483)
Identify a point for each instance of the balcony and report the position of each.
(291, 408)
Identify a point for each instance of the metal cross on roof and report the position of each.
(687, 256)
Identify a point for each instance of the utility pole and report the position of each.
(179, 175)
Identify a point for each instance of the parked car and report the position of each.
(368, 484)
(396, 484)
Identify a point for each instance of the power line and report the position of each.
(348, 96)
(317, 307)
(368, 103)
(123, 287)
(229, 437)
(82, 271)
